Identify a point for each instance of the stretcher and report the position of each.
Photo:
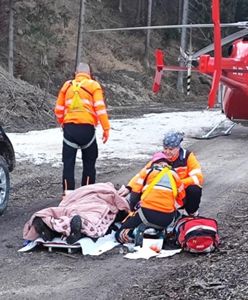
(58, 243)
(86, 244)
(51, 245)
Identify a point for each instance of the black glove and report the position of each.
(134, 199)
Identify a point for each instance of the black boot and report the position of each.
(138, 239)
(76, 226)
(43, 230)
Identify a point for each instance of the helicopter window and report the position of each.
(229, 51)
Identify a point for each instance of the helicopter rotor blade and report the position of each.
(224, 41)
(243, 24)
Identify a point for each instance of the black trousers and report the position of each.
(192, 199)
(80, 134)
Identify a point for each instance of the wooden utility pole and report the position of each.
(11, 38)
(148, 33)
(80, 33)
(183, 43)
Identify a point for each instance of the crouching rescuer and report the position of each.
(80, 106)
(188, 168)
(156, 193)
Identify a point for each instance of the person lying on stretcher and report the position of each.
(87, 211)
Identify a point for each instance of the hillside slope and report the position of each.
(23, 106)
(44, 56)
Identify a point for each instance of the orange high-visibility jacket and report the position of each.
(93, 108)
(188, 168)
(161, 197)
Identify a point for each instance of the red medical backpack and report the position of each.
(197, 234)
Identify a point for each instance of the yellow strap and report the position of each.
(173, 184)
(167, 171)
(76, 100)
(76, 85)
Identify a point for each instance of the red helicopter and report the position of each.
(231, 71)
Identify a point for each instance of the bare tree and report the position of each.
(180, 11)
(140, 10)
(148, 34)
(11, 38)
(120, 6)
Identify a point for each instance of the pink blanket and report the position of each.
(97, 204)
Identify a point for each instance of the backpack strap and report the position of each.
(173, 183)
(167, 171)
(78, 85)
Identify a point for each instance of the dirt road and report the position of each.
(40, 274)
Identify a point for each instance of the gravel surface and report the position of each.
(57, 275)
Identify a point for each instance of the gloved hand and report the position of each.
(105, 136)
(134, 201)
(123, 191)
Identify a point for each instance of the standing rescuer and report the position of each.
(79, 107)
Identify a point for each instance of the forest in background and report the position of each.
(45, 36)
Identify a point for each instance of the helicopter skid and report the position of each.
(216, 131)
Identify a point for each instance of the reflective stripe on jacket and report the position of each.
(92, 98)
(188, 168)
(161, 197)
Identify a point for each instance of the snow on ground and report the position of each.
(129, 138)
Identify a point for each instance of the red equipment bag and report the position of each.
(197, 234)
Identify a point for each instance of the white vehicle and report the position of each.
(7, 164)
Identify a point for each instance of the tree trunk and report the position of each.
(148, 34)
(140, 10)
(11, 38)
(120, 6)
(180, 11)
